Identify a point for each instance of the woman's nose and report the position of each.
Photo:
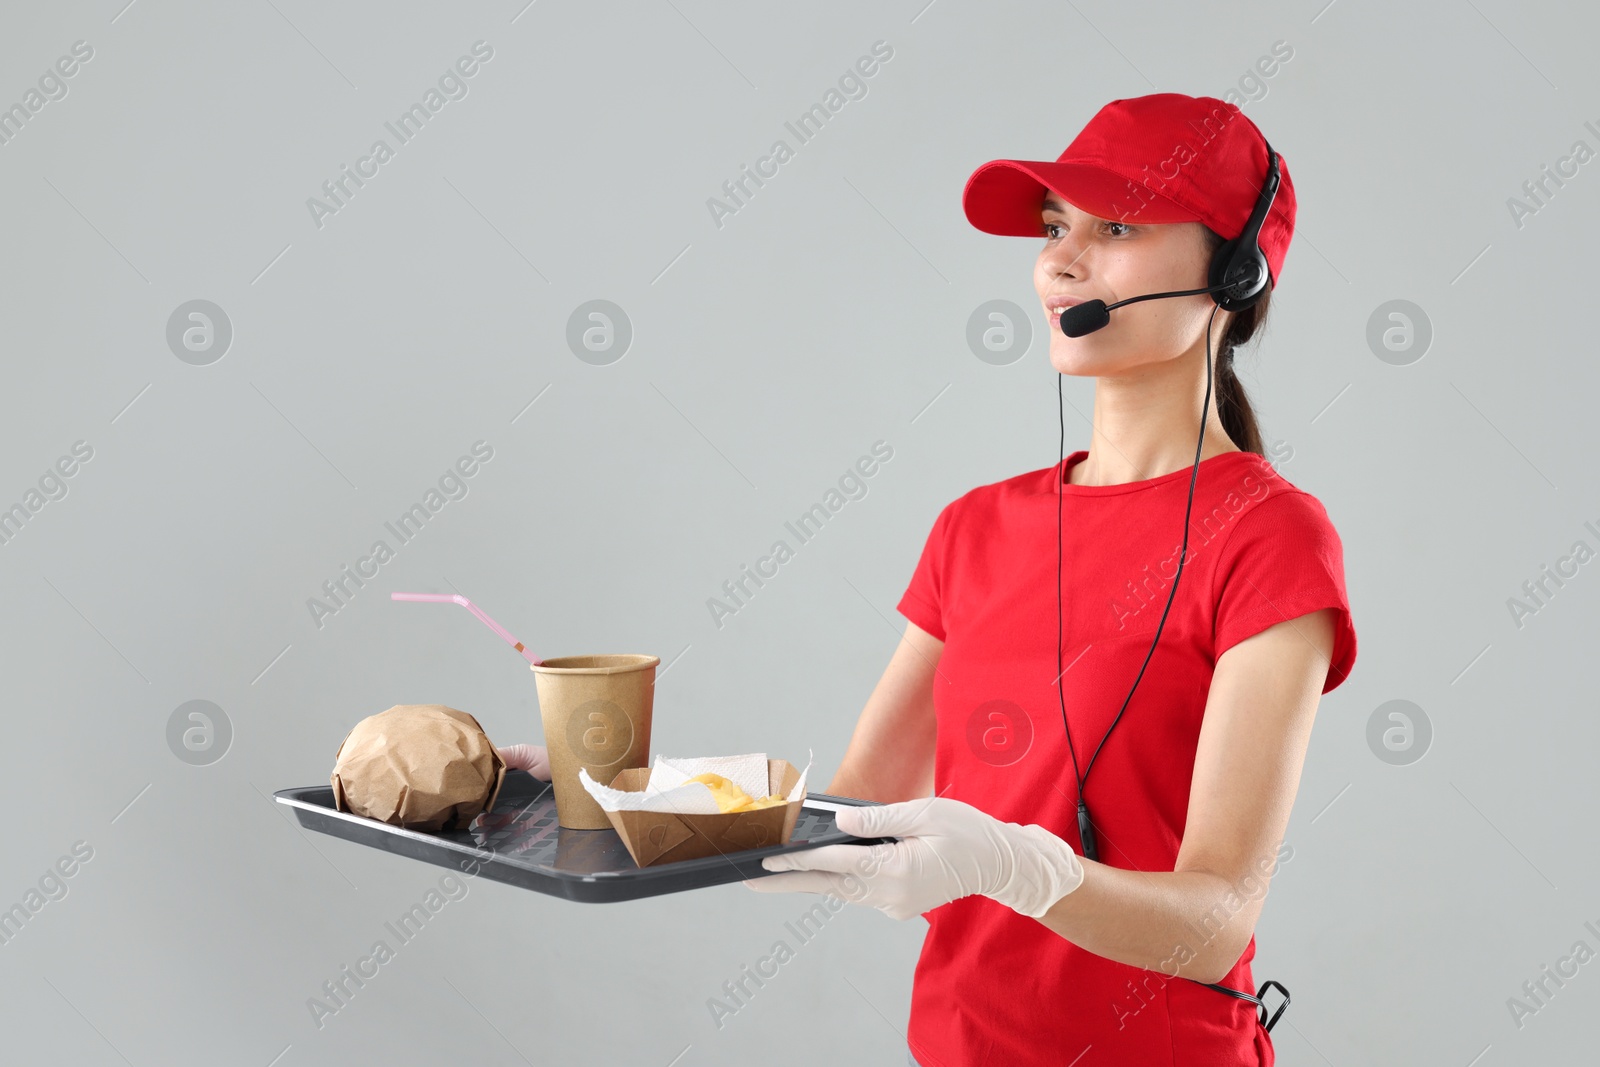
(1068, 256)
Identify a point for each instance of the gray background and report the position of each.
(767, 356)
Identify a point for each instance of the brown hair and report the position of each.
(1233, 406)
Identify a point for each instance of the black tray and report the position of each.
(519, 843)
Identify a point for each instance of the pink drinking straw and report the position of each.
(451, 598)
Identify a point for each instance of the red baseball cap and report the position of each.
(1165, 157)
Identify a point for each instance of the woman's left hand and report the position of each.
(948, 849)
(535, 759)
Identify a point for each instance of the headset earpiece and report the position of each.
(1240, 263)
(1243, 266)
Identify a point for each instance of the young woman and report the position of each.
(1088, 748)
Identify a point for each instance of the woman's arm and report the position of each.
(890, 757)
(1196, 920)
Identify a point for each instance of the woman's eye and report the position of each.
(1049, 227)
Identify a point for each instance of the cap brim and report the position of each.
(1004, 196)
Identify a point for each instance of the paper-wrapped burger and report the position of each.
(418, 766)
(681, 809)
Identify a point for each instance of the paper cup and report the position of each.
(596, 713)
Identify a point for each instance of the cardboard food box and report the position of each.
(655, 837)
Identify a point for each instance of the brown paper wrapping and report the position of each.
(418, 766)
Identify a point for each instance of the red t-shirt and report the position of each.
(994, 988)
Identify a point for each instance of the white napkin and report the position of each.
(670, 790)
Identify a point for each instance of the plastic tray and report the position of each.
(518, 842)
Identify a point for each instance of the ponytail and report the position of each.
(1233, 404)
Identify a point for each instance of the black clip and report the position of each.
(1086, 832)
(1261, 998)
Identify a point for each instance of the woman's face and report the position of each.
(1085, 257)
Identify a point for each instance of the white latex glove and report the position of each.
(947, 849)
(535, 759)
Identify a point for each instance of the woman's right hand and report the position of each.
(535, 759)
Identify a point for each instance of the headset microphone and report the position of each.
(1091, 315)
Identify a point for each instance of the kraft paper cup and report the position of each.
(596, 712)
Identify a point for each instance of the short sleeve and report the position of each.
(923, 600)
(1283, 560)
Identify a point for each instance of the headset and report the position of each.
(1236, 281)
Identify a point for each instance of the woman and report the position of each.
(1041, 950)
(1038, 952)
